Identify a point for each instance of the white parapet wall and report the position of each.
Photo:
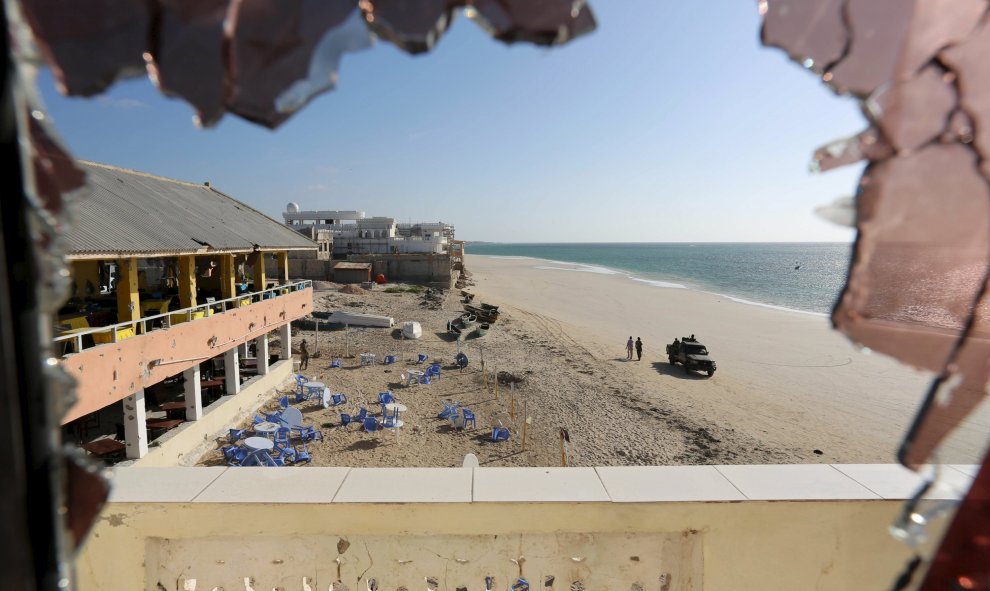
(719, 528)
(184, 445)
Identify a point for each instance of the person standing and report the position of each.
(639, 349)
(629, 349)
(303, 355)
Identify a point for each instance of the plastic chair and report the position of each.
(282, 436)
(275, 417)
(362, 414)
(390, 421)
(389, 359)
(235, 435)
(370, 424)
(337, 399)
(448, 409)
(258, 419)
(335, 364)
(288, 454)
(461, 360)
(385, 397)
(422, 359)
(469, 418)
(302, 455)
(228, 451)
(500, 434)
(240, 454)
(284, 401)
(425, 380)
(309, 433)
(345, 419)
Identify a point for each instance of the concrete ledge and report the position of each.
(634, 484)
(184, 445)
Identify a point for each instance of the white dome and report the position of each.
(292, 207)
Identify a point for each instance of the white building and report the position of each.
(355, 233)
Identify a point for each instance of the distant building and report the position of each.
(353, 233)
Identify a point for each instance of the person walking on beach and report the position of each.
(629, 349)
(639, 349)
(303, 355)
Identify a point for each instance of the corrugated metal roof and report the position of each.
(127, 212)
(344, 265)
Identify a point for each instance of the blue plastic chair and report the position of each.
(235, 435)
(422, 359)
(258, 419)
(309, 433)
(228, 451)
(335, 364)
(362, 414)
(302, 455)
(345, 419)
(284, 401)
(390, 421)
(389, 359)
(385, 397)
(370, 424)
(448, 409)
(237, 458)
(425, 380)
(434, 370)
(461, 360)
(282, 436)
(469, 418)
(288, 454)
(500, 434)
(337, 399)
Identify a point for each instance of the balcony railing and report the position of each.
(124, 330)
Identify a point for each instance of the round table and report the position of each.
(396, 408)
(259, 444)
(397, 424)
(266, 428)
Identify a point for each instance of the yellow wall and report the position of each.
(738, 546)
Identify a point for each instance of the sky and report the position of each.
(669, 123)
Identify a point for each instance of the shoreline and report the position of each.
(658, 283)
(784, 377)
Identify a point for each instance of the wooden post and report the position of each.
(128, 303)
(512, 399)
(283, 267)
(317, 346)
(495, 371)
(525, 421)
(564, 438)
(258, 270)
(187, 281)
(228, 279)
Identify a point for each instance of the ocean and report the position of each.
(754, 273)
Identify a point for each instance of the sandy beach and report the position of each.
(788, 389)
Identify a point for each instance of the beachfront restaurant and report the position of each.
(167, 327)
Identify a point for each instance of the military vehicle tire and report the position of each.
(671, 360)
(711, 372)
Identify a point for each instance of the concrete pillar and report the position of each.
(261, 344)
(193, 394)
(128, 303)
(187, 281)
(285, 335)
(231, 372)
(283, 268)
(135, 426)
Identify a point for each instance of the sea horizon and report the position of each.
(796, 276)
